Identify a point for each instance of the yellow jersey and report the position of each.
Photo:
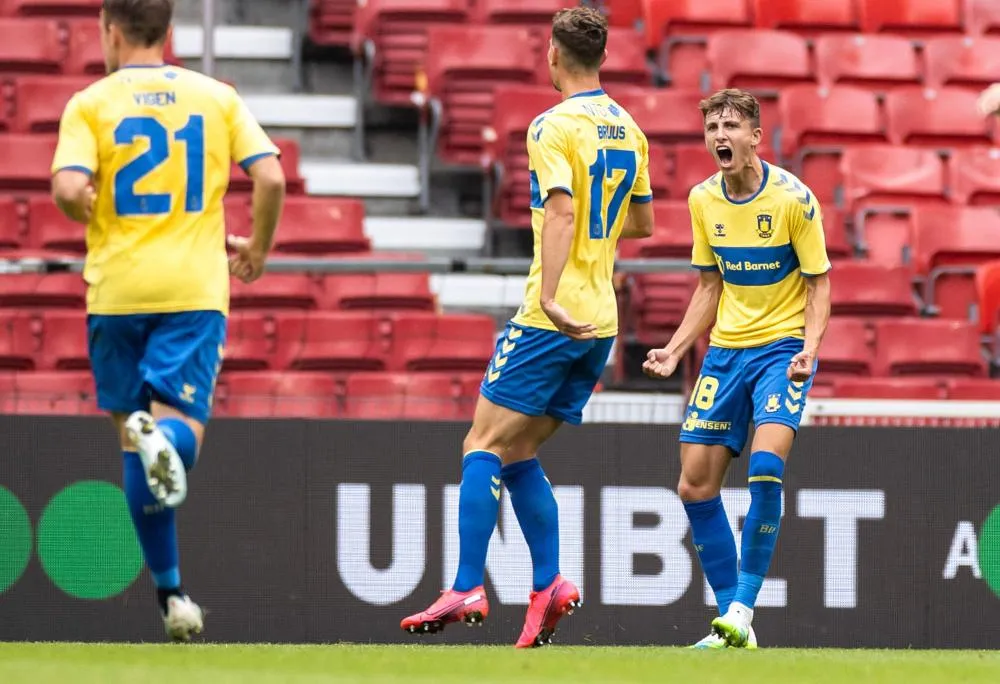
(159, 142)
(763, 246)
(590, 147)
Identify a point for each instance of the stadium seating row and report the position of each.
(328, 341)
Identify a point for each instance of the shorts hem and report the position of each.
(511, 404)
(712, 441)
(570, 419)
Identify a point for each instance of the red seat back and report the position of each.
(56, 290)
(846, 349)
(982, 16)
(867, 289)
(809, 15)
(891, 174)
(665, 116)
(942, 118)
(837, 115)
(33, 45)
(961, 60)
(926, 389)
(326, 341)
(910, 16)
(313, 225)
(923, 346)
(988, 296)
(663, 19)
(25, 161)
(428, 342)
(974, 175)
(872, 61)
(40, 100)
(51, 229)
(757, 59)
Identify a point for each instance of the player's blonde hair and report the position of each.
(582, 32)
(144, 22)
(734, 100)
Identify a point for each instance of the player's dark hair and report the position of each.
(734, 100)
(582, 33)
(144, 22)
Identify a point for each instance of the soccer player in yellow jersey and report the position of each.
(143, 159)
(589, 187)
(759, 244)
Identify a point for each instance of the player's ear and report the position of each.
(756, 135)
(604, 58)
(553, 55)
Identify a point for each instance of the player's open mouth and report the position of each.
(725, 154)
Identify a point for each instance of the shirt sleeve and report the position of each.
(641, 191)
(702, 256)
(77, 146)
(247, 140)
(549, 156)
(808, 239)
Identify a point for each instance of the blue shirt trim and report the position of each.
(81, 169)
(641, 199)
(142, 66)
(763, 184)
(588, 93)
(558, 187)
(249, 161)
(713, 267)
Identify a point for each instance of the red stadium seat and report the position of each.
(422, 396)
(236, 210)
(53, 291)
(871, 61)
(251, 342)
(689, 165)
(988, 296)
(33, 45)
(838, 244)
(926, 389)
(65, 341)
(672, 235)
(626, 62)
(949, 243)
(973, 389)
(982, 16)
(275, 291)
(828, 116)
(463, 66)
(324, 341)
(25, 161)
(84, 56)
(368, 291)
(659, 176)
(520, 12)
(846, 350)
(757, 59)
(50, 229)
(665, 116)
(13, 230)
(285, 394)
(52, 8)
(20, 341)
(921, 346)
(506, 152)
(40, 101)
(331, 22)
(910, 16)
(974, 175)
(657, 302)
(312, 225)
(891, 175)
(867, 289)
(58, 393)
(806, 15)
(392, 35)
(691, 17)
(942, 118)
(290, 155)
(452, 343)
(961, 60)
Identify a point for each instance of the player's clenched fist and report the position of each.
(989, 100)
(801, 366)
(660, 363)
(248, 262)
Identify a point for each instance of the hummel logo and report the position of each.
(495, 491)
(507, 347)
(496, 480)
(792, 408)
(537, 135)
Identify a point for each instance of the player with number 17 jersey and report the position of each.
(589, 147)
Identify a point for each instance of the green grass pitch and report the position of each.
(250, 664)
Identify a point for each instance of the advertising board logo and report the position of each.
(84, 540)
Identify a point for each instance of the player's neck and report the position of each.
(743, 183)
(574, 85)
(141, 56)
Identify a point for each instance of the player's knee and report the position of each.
(697, 488)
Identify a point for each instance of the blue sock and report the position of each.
(716, 546)
(182, 437)
(760, 529)
(478, 508)
(538, 515)
(155, 525)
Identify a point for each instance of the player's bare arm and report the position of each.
(639, 222)
(73, 194)
(557, 241)
(817, 316)
(268, 198)
(700, 314)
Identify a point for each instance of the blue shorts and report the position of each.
(740, 385)
(173, 358)
(545, 373)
